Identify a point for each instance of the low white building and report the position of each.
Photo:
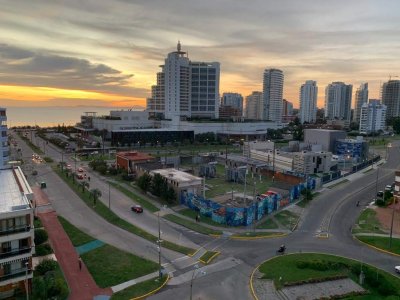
(123, 120)
(372, 117)
(308, 162)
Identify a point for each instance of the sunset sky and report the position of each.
(107, 53)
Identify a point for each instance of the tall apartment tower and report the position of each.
(273, 92)
(254, 106)
(338, 101)
(185, 88)
(4, 151)
(308, 101)
(391, 98)
(372, 117)
(361, 98)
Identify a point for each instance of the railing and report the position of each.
(14, 230)
(15, 252)
(16, 273)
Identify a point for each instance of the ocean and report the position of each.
(51, 116)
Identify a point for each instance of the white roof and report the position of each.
(176, 175)
(11, 197)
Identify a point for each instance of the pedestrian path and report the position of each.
(89, 246)
(80, 282)
(126, 284)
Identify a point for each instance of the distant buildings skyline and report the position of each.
(308, 102)
(338, 96)
(273, 94)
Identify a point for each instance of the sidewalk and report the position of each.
(80, 282)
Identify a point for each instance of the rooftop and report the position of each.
(13, 191)
(135, 155)
(177, 175)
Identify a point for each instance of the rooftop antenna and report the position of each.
(179, 46)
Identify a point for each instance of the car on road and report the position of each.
(79, 176)
(137, 209)
(397, 269)
(80, 169)
(379, 194)
(69, 167)
(388, 187)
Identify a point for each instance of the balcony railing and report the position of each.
(14, 230)
(15, 273)
(15, 252)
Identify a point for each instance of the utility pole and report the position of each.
(159, 248)
(109, 196)
(391, 225)
(376, 184)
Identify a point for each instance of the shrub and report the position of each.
(386, 289)
(45, 266)
(43, 250)
(40, 236)
(380, 202)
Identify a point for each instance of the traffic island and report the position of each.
(321, 276)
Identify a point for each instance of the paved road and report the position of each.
(333, 213)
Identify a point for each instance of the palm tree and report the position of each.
(84, 184)
(96, 193)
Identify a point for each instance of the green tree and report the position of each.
(395, 122)
(84, 184)
(96, 193)
(169, 195)
(307, 194)
(144, 182)
(158, 185)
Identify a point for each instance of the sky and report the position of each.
(107, 53)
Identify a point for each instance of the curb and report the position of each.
(210, 259)
(153, 291)
(376, 248)
(253, 293)
(258, 237)
(193, 254)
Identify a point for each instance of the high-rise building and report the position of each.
(338, 101)
(372, 117)
(185, 88)
(4, 151)
(254, 106)
(391, 98)
(361, 98)
(287, 108)
(233, 100)
(273, 91)
(308, 101)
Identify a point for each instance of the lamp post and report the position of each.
(159, 248)
(391, 225)
(109, 196)
(26, 280)
(194, 275)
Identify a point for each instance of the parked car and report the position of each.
(137, 209)
(79, 176)
(69, 167)
(397, 269)
(388, 187)
(379, 194)
(80, 169)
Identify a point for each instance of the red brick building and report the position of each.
(127, 160)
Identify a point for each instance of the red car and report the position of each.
(80, 176)
(137, 209)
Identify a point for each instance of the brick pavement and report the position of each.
(80, 282)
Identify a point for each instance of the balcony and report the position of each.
(16, 273)
(15, 230)
(15, 252)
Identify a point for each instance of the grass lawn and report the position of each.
(382, 243)
(368, 222)
(140, 289)
(191, 225)
(203, 219)
(110, 266)
(297, 267)
(76, 236)
(111, 217)
(304, 202)
(208, 256)
(135, 197)
(286, 218)
(268, 224)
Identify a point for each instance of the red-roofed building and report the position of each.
(127, 160)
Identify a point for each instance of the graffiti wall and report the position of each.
(264, 204)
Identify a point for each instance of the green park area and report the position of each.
(296, 269)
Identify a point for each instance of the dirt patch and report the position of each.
(384, 215)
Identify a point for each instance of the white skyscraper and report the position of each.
(372, 117)
(361, 98)
(338, 101)
(273, 92)
(185, 88)
(4, 151)
(254, 106)
(308, 101)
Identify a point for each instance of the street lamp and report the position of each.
(194, 275)
(159, 247)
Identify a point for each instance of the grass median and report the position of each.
(268, 224)
(112, 218)
(381, 242)
(313, 267)
(108, 265)
(207, 257)
(192, 214)
(140, 289)
(135, 197)
(287, 218)
(250, 234)
(191, 225)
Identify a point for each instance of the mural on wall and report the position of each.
(265, 203)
